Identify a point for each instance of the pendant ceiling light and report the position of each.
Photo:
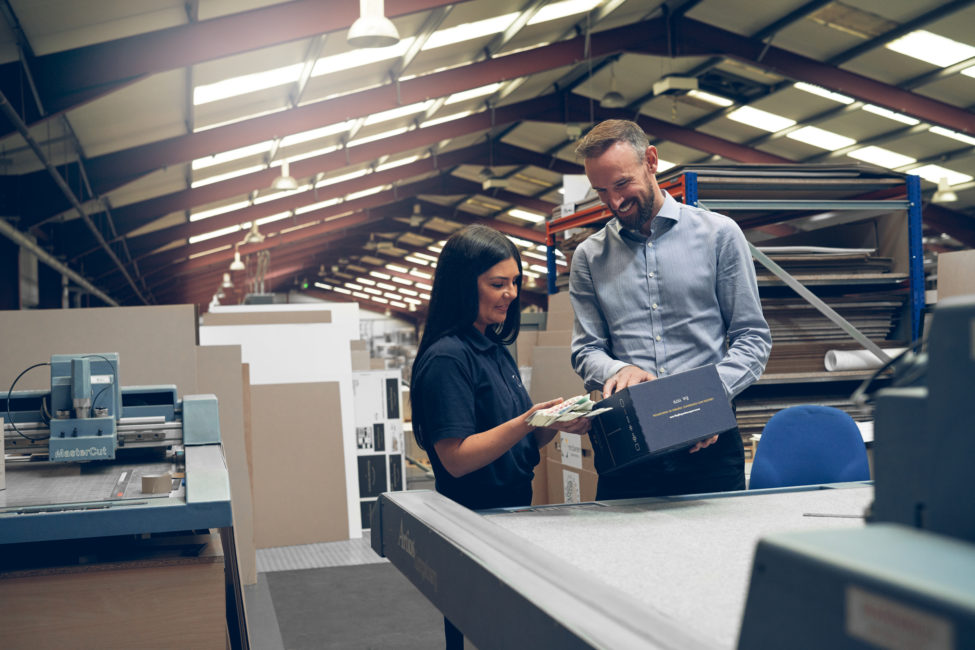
(372, 29)
(285, 181)
(612, 99)
(944, 193)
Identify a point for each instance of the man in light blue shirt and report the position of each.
(663, 287)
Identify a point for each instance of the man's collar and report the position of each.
(669, 209)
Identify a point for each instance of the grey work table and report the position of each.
(649, 573)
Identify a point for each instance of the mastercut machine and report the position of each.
(90, 458)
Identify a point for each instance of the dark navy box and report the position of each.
(658, 416)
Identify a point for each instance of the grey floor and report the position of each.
(337, 595)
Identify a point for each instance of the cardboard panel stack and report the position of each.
(566, 473)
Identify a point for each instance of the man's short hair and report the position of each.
(605, 134)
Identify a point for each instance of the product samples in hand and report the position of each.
(658, 416)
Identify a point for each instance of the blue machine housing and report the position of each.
(86, 402)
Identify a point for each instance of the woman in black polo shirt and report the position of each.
(470, 409)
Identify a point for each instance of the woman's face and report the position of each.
(496, 288)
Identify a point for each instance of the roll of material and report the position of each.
(837, 360)
(157, 483)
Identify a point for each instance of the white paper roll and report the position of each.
(857, 359)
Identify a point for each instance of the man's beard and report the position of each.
(641, 217)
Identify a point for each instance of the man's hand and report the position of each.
(627, 376)
(704, 443)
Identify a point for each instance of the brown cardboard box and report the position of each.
(552, 374)
(527, 340)
(572, 450)
(956, 274)
(559, 303)
(555, 338)
(560, 315)
(570, 485)
(360, 355)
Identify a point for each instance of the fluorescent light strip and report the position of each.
(426, 256)
(760, 119)
(525, 215)
(386, 286)
(469, 31)
(415, 260)
(397, 268)
(366, 281)
(359, 57)
(402, 281)
(821, 138)
(323, 285)
(341, 290)
(932, 48)
(935, 173)
(710, 98)
(378, 299)
(822, 92)
(420, 274)
(423, 286)
(368, 192)
(380, 275)
(881, 157)
(408, 292)
(325, 182)
(395, 303)
(375, 292)
(473, 93)
(563, 9)
(891, 115)
(954, 135)
(209, 252)
(359, 294)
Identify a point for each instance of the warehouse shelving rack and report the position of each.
(830, 202)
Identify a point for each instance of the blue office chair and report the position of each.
(808, 445)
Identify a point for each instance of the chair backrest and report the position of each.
(808, 445)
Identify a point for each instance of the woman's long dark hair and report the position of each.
(454, 299)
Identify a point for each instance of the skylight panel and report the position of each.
(400, 111)
(360, 57)
(935, 173)
(378, 136)
(318, 206)
(446, 118)
(469, 31)
(315, 134)
(821, 138)
(891, 115)
(214, 234)
(823, 92)
(969, 71)
(233, 154)
(710, 98)
(954, 135)
(332, 180)
(280, 195)
(368, 192)
(473, 93)
(247, 83)
(881, 157)
(223, 177)
(932, 48)
(213, 212)
(760, 119)
(563, 9)
(397, 163)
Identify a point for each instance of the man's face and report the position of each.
(624, 181)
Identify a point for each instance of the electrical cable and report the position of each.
(10, 392)
(860, 396)
(91, 412)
